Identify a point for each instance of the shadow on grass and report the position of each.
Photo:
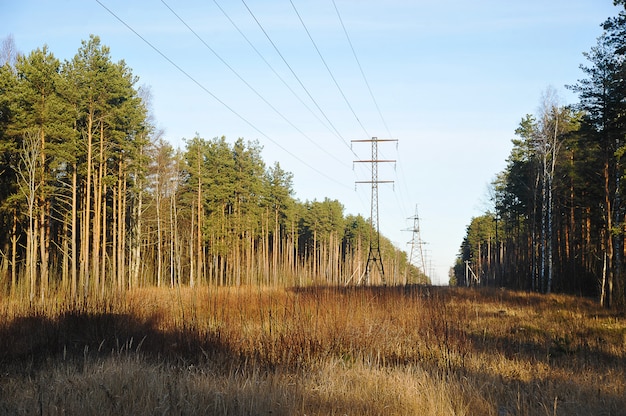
(558, 351)
(33, 340)
(28, 344)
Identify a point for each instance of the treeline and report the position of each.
(94, 200)
(560, 205)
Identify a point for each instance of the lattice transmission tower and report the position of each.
(374, 258)
(416, 253)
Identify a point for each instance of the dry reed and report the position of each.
(313, 351)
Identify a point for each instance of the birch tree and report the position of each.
(554, 123)
(43, 109)
(28, 169)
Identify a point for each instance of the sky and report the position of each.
(450, 80)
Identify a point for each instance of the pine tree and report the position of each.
(43, 112)
(600, 97)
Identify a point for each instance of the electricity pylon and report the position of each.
(416, 245)
(374, 257)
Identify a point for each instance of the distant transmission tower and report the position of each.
(416, 245)
(374, 257)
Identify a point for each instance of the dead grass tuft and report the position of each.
(314, 351)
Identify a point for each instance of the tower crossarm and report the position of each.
(374, 257)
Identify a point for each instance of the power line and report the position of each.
(232, 110)
(361, 69)
(250, 86)
(276, 72)
(294, 74)
(398, 193)
(328, 69)
(297, 78)
(245, 120)
(403, 187)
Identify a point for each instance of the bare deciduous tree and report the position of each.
(8, 52)
(30, 158)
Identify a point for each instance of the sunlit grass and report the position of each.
(361, 351)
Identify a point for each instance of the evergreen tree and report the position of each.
(43, 112)
(601, 99)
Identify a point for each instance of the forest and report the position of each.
(140, 278)
(94, 200)
(558, 216)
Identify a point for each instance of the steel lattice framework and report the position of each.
(374, 258)
(416, 244)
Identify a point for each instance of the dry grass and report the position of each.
(314, 351)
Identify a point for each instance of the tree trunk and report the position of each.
(544, 213)
(75, 254)
(121, 225)
(607, 274)
(192, 262)
(103, 249)
(118, 280)
(27, 172)
(135, 234)
(199, 269)
(14, 239)
(97, 218)
(44, 209)
(65, 263)
(275, 248)
(44, 248)
(86, 223)
(159, 264)
(30, 256)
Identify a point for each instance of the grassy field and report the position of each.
(314, 351)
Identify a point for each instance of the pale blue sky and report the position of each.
(452, 79)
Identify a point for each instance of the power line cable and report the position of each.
(361, 69)
(328, 69)
(402, 182)
(275, 72)
(245, 120)
(403, 186)
(295, 75)
(250, 86)
(356, 58)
